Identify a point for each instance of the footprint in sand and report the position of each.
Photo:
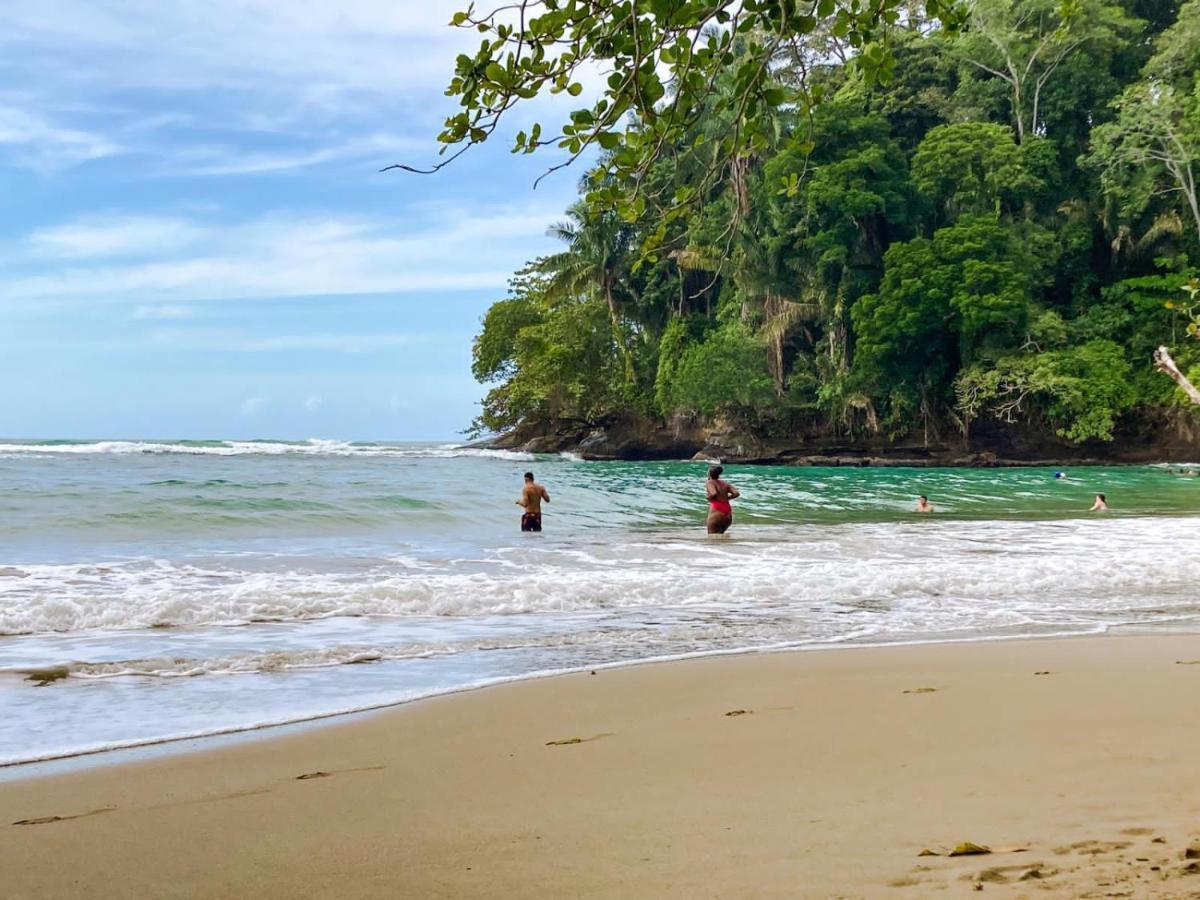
(566, 742)
(46, 820)
(308, 776)
(1092, 848)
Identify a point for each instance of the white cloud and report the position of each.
(313, 402)
(195, 85)
(378, 46)
(98, 236)
(228, 160)
(275, 256)
(33, 141)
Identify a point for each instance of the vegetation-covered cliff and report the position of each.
(979, 256)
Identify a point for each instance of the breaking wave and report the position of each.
(312, 447)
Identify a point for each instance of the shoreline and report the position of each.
(120, 753)
(761, 774)
(868, 460)
(632, 440)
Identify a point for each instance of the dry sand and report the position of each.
(839, 769)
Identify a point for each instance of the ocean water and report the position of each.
(152, 591)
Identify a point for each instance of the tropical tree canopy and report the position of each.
(998, 225)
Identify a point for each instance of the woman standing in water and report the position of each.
(719, 493)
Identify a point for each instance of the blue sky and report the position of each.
(195, 239)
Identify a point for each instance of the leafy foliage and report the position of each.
(726, 372)
(662, 61)
(1081, 391)
(910, 256)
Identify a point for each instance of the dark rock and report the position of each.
(993, 444)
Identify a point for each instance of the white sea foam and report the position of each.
(908, 577)
(312, 447)
(242, 664)
(289, 659)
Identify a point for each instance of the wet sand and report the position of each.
(781, 775)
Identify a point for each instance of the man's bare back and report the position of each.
(532, 496)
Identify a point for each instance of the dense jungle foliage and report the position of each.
(1007, 229)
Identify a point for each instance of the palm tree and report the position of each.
(595, 264)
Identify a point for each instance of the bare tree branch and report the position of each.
(1164, 363)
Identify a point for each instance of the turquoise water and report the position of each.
(185, 588)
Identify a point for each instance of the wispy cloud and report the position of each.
(104, 236)
(196, 85)
(35, 142)
(376, 46)
(231, 160)
(184, 261)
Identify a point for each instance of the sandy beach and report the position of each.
(822, 774)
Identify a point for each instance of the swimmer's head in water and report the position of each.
(529, 476)
(1060, 474)
(923, 498)
(1101, 498)
(715, 472)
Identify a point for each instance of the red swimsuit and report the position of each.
(721, 503)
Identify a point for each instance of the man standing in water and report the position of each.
(531, 499)
(719, 493)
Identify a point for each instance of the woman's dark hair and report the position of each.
(715, 472)
(1103, 499)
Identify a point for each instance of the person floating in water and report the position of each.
(1101, 504)
(531, 499)
(923, 505)
(719, 493)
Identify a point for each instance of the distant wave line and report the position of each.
(314, 447)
